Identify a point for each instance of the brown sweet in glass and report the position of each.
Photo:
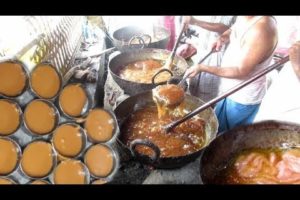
(37, 160)
(99, 125)
(67, 140)
(39, 182)
(70, 172)
(99, 182)
(72, 100)
(40, 117)
(12, 79)
(9, 117)
(6, 181)
(99, 160)
(8, 156)
(45, 81)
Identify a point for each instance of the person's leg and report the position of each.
(220, 111)
(251, 117)
(239, 114)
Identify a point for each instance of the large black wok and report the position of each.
(133, 103)
(128, 57)
(267, 134)
(131, 37)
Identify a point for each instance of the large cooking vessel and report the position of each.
(131, 37)
(133, 103)
(267, 134)
(128, 57)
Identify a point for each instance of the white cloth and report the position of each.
(207, 38)
(282, 101)
(205, 85)
(255, 91)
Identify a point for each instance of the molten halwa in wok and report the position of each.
(169, 95)
(143, 71)
(262, 166)
(186, 138)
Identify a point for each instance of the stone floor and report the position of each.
(133, 172)
(189, 174)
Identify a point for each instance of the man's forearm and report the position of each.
(215, 27)
(226, 36)
(228, 72)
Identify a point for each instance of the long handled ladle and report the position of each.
(172, 125)
(169, 62)
(164, 100)
(200, 62)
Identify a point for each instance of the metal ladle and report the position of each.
(172, 125)
(168, 64)
(200, 62)
(181, 84)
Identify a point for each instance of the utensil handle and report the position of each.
(177, 42)
(170, 126)
(147, 143)
(149, 39)
(140, 39)
(185, 76)
(205, 57)
(201, 61)
(160, 71)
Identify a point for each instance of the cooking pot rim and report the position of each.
(166, 34)
(145, 51)
(121, 123)
(243, 130)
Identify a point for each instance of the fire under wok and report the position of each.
(160, 152)
(262, 153)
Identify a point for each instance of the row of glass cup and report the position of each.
(81, 159)
(23, 136)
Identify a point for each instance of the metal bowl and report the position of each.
(88, 105)
(87, 173)
(26, 72)
(59, 75)
(57, 118)
(115, 163)
(115, 130)
(19, 152)
(54, 159)
(83, 138)
(20, 116)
